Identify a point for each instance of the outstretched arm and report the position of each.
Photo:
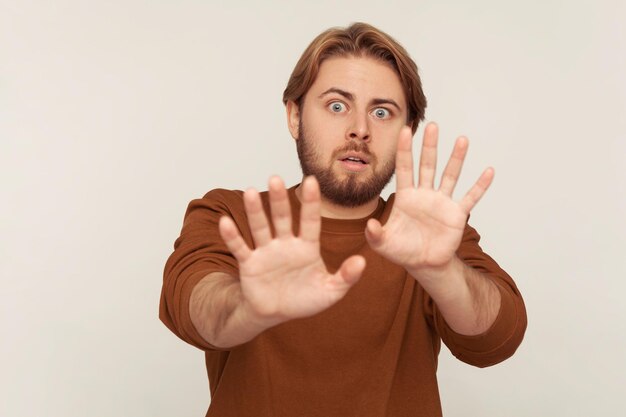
(425, 229)
(283, 278)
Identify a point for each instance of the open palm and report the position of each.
(426, 225)
(284, 276)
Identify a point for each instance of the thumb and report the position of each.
(374, 233)
(351, 269)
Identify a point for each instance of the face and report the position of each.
(347, 128)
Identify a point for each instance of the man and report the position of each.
(323, 299)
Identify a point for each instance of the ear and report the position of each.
(293, 119)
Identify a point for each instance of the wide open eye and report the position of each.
(381, 113)
(337, 107)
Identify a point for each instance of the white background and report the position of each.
(114, 115)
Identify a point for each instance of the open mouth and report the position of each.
(354, 162)
(354, 159)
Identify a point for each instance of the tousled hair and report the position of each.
(358, 39)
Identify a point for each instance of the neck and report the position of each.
(335, 211)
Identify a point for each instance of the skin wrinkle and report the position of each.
(350, 96)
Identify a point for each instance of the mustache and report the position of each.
(355, 146)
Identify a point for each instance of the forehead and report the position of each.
(364, 77)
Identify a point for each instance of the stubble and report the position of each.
(351, 191)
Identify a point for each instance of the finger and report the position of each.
(281, 210)
(350, 270)
(453, 168)
(310, 219)
(428, 157)
(261, 232)
(404, 159)
(374, 233)
(478, 190)
(234, 242)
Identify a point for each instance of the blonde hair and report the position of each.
(358, 39)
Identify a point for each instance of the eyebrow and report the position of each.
(339, 91)
(350, 97)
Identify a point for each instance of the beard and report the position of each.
(352, 191)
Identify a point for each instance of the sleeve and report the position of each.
(198, 251)
(504, 336)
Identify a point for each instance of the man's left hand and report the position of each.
(426, 225)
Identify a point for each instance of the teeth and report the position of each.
(353, 159)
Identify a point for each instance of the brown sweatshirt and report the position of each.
(373, 354)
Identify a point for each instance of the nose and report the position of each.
(359, 127)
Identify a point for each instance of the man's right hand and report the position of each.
(284, 277)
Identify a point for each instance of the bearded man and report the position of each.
(324, 299)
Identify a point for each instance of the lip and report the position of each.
(353, 166)
(353, 154)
